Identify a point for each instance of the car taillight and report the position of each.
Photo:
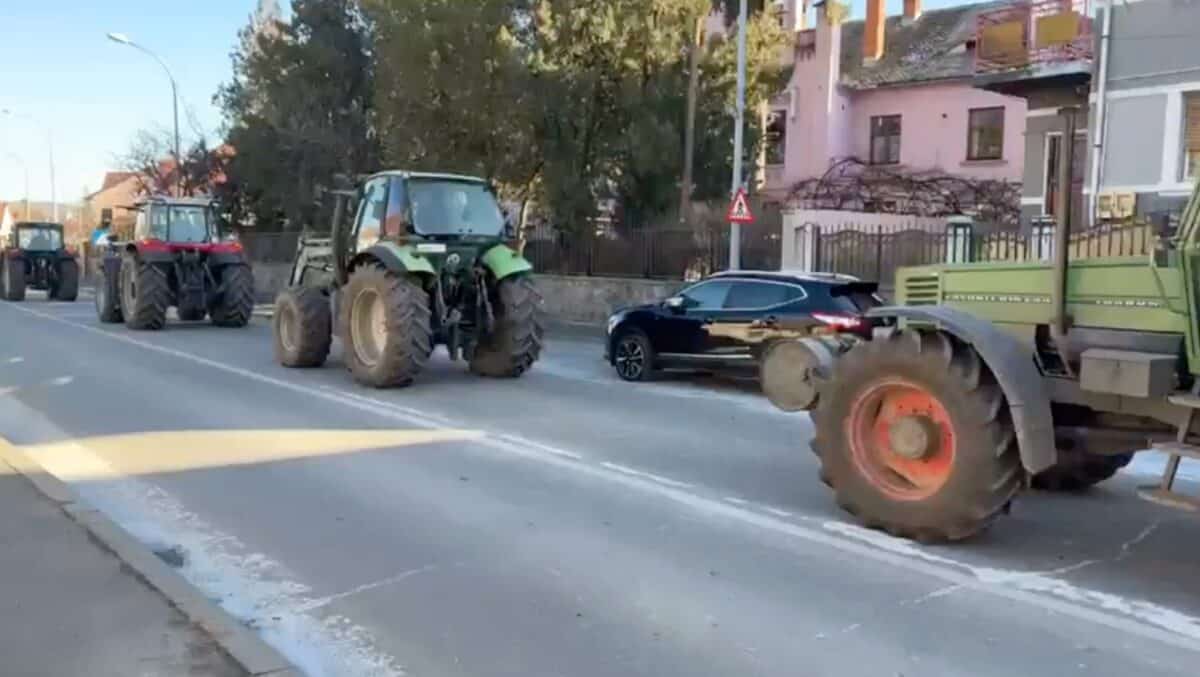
(842, 322)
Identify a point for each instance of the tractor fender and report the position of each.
(1011, 363)
(505, 261)
(396, 258)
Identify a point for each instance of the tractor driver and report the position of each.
(39, 241)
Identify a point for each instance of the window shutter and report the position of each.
(1191, 117)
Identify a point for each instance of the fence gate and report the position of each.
(807, 239)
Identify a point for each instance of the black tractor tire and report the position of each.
(235, 307)
(192, 313)
(1077, 469)
(66, 287)
(633, 356)
(303, 327)
(12, 279)
(397, 350)
(969, 469)
(145, 294)
(516, 340)
(108, 295)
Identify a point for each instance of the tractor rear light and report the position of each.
(842, 322)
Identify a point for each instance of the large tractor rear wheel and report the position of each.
(915, 438)
(385, 326)
(66, 287)
(236, 304)
(516, 341)
(1077, 469)
(303, 327)
(145, 294)
(12, 278)
(108, 294)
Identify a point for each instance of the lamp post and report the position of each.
(25, 169)
(121, 38)
(7, 112)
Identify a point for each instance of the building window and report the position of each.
(885, 139)
(1191, 135)
(776, 137)
(985, 133)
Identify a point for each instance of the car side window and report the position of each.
(751, 295)
(707, 295)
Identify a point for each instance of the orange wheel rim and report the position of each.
(901, 439)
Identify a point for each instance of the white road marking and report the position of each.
(778, 513)
(15, 360)
(1132, 616)
(62, 381)
(665, 481)
(329, 599)
(735, 500)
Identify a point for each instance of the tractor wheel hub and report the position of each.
(913, 437)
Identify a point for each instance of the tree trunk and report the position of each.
(689, 134)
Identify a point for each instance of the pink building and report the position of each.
(889, 91)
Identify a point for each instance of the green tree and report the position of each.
(298, 110)
(454, 93)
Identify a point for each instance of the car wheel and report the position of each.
(633, 357)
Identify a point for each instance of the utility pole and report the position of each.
(735, 230)
(689, 134)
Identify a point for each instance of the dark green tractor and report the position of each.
(426, 260)
(34, 256)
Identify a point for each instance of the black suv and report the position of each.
(727, 320)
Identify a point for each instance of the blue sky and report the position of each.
(57, 67)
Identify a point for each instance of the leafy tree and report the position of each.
(298, 110)
(150, 157)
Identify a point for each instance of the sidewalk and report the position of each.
(69, 607)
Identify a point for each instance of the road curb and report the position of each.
(244, 646)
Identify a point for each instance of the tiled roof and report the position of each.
(934, 47)
(114, 179)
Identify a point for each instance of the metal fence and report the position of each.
(875, 253)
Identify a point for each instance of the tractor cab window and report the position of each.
(449, 207)
(39, 239)
(176, 223)
(371, 209)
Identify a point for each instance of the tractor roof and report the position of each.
(428, 175)
(38, 224)
(164, 200)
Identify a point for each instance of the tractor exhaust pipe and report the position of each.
(1062, 231)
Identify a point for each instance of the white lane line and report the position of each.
(778, 513)
(634, 472)
(62, 381)
(1132, 616)
(735, 500)
(15, 360)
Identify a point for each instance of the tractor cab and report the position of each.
(33, 255)
(42, 238)
(176, 221)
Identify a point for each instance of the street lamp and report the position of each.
(50, 144)
(121, 38)
(24, 168)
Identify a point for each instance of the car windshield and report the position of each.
(39, 238)
(448, 207)
(180, 223)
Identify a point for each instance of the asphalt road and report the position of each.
(566, 523)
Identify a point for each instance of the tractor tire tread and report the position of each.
(236, 305)
(409, 328)
(309, 309)
(149, 308)
(516, 343)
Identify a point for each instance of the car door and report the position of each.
(755, 311)
(682, 331)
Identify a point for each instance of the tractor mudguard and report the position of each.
(504, 261)
(396, 258)
(1012, 364)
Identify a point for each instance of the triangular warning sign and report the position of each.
(739, 209)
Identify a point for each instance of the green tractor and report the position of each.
(427, 260)
(988, 378)
(34, 256)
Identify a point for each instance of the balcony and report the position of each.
(1034, 39)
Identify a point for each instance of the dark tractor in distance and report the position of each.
(425, 261)
(33, 256)
(176, 258)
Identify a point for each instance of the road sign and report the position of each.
(739, 209)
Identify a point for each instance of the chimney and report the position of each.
(912, 10)
(873, 30)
